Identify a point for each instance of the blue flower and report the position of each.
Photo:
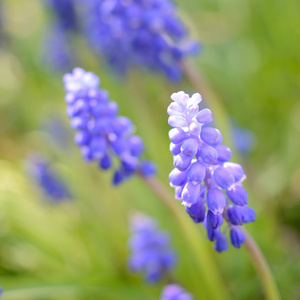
(151, 253)
(244, 139)
(203, 177)
(65, 14)
(57, 52)
(175, 292)
(52, 186)
(137, 33)
(101, 133)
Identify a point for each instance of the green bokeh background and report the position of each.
(78, 249)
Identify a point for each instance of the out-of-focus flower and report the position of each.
(58, 131)
(244, 140)
(175, 292)
(65, 14)
(144, 33)
(202, 168)
(103, 134)
(151, 253)
(52, 186)
(57, 52)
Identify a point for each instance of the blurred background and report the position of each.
(74, 245)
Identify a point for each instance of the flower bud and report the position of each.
(189, 147)
(196, 172)
(237, 237)
(204, 116)
(209, 154)
(221, 243)
(177, 178)
(237, 194)
(177, 135)
(223, 177)
(182, 161)
(190, 194)
(234, 215)
(216, 200)
(211, 136)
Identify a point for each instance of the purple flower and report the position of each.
(56, 50)
(175, 292)
(65, 14)
(50, 183)
(151, 253)
(244, 139)
(137, 33)
(101, 133)
(202, 168)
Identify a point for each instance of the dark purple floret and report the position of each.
(202, 168)
(221, 243)
(101, 133)
(237, 237)
(151, 253)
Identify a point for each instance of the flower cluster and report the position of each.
(101, 132)
(137, 32)
(202, 168)
(53, 187)
(150, 248)
(175, 292)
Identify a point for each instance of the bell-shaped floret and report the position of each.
(196, 172)
(237, 194)
(237, 237)
(209, 154)
(211, 136)
(216, 200)
(191, 194)
(204, 116)
(223, 177)
(182, 161)
(221, 243)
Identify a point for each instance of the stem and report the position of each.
(262, 267)
(206, 265)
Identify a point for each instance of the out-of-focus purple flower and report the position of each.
(56, 129)
(151, 253)
(175, 292)
(144, 33)
(244, 140)
(65, 14)
(103, 134)
(202, 168)
(57, 52)
(49, 182)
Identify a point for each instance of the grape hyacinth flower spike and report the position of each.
(151, 253)
(144, 33)
(175, 292)
(101, 133)
(203, 171)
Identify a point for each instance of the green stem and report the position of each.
(209, 276)
(262, 267)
